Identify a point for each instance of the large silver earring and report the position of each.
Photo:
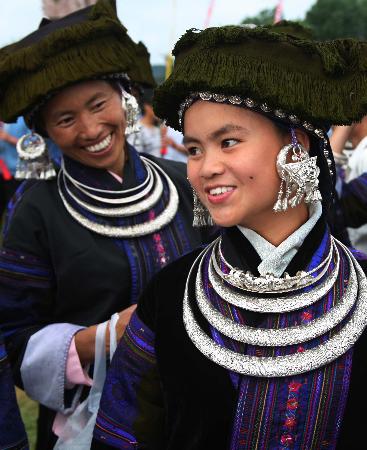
(130, 105)
(299, 178)
(34, 161)
(202, 216)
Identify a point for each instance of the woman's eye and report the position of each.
(193, 151)
(99, 105)
(229, 143)
(65, 121)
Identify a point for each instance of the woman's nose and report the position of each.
(89, 127)
(211, 165)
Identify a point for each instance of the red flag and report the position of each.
(209, 13)
(278, 15)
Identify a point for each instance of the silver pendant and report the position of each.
(268, 305)
(270, 283)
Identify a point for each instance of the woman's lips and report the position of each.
(94, 151)
(215, 197)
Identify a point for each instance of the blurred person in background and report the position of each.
(172, 141)
(9, 135)
(352, 182)
(154, 137)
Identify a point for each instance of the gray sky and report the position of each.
(158, 23)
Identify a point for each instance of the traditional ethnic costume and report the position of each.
(244, 345)
(81, 246)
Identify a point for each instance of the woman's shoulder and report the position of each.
(35, 191)
(37, 195)
(32, 202)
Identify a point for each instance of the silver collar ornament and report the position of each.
(277, 337)
(342, 331)
(130, 202)
(270, 283)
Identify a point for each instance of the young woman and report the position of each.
(258, 340)
(81, 246)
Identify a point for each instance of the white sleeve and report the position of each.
(43, 367)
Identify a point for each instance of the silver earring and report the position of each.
(299, 178)
(202, 216)
(130, 105)
(34, 161)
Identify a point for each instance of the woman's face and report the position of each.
(232, 162)
(88, 123)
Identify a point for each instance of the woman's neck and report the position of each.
(277, 227)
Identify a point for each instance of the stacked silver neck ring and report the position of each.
(122, 203)
(236, 287)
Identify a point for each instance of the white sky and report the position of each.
(158, 23)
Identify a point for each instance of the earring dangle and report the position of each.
(131, 106)
(34, 161)
(299, 178)
(202, 216)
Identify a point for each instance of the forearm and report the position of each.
(85, 339)
(339, 138)
(85, 344)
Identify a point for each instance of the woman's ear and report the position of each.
(303, 138)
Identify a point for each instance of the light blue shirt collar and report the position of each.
(275, 259)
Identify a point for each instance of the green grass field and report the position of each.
(29, 411)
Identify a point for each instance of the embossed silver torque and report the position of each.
(131, 231)
(123, 211)
(336, 345)
(282, 336)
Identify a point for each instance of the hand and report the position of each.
(339, 137)
(85, 339)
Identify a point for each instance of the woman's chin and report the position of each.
(224, 222)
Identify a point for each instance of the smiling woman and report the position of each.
(88, 124)
(225, 172)
(257, 341)
(82, 246)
